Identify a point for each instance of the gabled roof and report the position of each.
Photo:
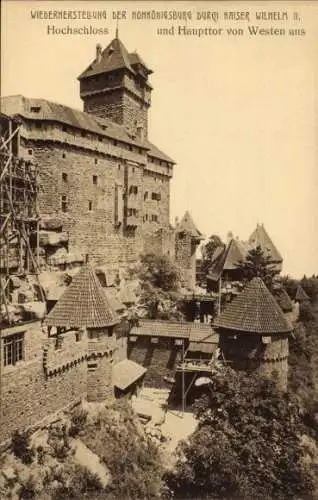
(83, 304)
(254, 310)
(187, 225)
(283, 300)
(301, 295)
(115, 56)
(135, 58)
(260, 237)
(20, 106)
(196, 332)
(227, 258)
(234, 254)
(156, 152)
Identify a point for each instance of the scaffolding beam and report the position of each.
(19, 217)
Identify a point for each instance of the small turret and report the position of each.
(188, 237)
(253, 333)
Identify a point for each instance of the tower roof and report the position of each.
(42, 110)
(283, 300)
(187, 225)
(301, 295)
(83, 304)
(235, 253)
(227, 258)
(114, 56)
(254, 311)
(260, 237)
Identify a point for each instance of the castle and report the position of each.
(104, 185)
(102, 189)
(75, 184)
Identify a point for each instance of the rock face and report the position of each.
(51, 223)
(52, 238)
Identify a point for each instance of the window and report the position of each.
(132, 211)
(133, 189)
(83, 133)
(64, 177)
(63, 155)
(30, 151)
(64, 128)
(119, 205)
(38, 125)
(64, 204)
(13, 349)
(155, 196)
(95, 179)
(146, 195)
(154, 218)
(35, 109)
(96, 161)
(90, 205)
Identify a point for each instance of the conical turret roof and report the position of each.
(254, 310)
(83, 304)
(283, 300)
(260, 237)
(187, 225)
(301, 295)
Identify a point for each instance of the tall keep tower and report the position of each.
(115, 86)
(253, 333)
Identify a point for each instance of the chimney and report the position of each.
(98, 53)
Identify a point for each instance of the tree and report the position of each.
(160, 296)
(303, 362)
(257, 263)
(160, 272)
(208, 250)
(247, 444)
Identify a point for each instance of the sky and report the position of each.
(237, 113)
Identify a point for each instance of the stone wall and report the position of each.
(248, 353)
(120, 99)
(55, 372)
(28, 393)
(90, 183)
(159, 359)
(185, 258)
(102, 345)
(87, 189)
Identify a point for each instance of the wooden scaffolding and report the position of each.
(19, 217)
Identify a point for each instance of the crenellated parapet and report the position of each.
(64, 351)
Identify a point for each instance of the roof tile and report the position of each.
(83, 304)
(254, 310)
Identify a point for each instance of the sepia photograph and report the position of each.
(159, 250)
